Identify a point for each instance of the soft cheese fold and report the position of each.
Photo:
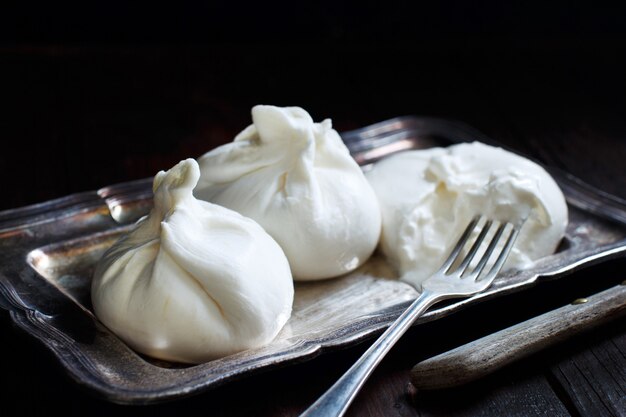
(427, 198)
(192, 281)
(297, 179)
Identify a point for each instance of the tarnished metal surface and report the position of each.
(48, 251)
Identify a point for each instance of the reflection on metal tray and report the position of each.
(48, 251)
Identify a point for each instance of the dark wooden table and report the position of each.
(81, 117)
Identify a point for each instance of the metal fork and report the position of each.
(455, 278)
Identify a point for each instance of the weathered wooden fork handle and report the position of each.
(490, 353)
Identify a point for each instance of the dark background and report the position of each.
(106, 93)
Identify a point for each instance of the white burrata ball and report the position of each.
(192, 281)
(428, 197)
(297, 179)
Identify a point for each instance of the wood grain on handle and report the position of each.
(488, 354)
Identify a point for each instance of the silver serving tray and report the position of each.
(48, 251)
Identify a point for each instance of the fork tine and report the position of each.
(503, 254)
(488, 252)
(459, 245)
(474, 249)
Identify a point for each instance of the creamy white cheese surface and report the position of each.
(428, 197)
(297, 179)
(192, 281)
